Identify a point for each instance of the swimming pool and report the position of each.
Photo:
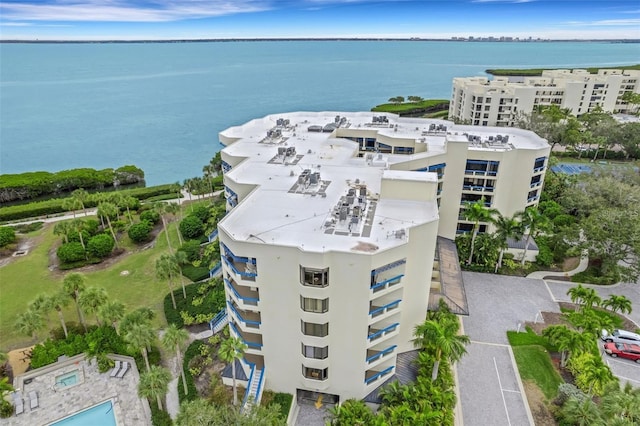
(68, 379)
(98, 415)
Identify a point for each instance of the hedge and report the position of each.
(35, 184)
(54, 206)
(212, 301)
(192, 351)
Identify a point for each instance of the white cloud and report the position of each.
(635, 22)
(502, 1)
(123, 11)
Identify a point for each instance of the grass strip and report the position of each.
(534, 364)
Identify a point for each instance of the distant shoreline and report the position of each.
(412, 39)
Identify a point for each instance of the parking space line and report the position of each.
(627, 363)
(500, 345)
(628, 379)
(509, 390)
(504, 401)
(549, 290)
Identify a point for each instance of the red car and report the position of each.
(623, 350)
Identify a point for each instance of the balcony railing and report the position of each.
(253, 323)
(244, 336)
(371, 375)
(374, 355)
(246, 274)
(219, 321)
(532, 199)
(478, 188)
(538, 169)
(215, 271)
(382, 285)
(480, 173)
(213, 236)
(379, 310)
(376, 334)
(536, 184)
(243, 295)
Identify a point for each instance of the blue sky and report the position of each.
(192, 19)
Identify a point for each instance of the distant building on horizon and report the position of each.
(339, 238)
(483, 102)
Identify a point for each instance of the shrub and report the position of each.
(213, 301)
(7, 235)
(192, 351)
(194, 273)
(191, 227)
(192, 249)
(545, 255)
(159, 417)
(140, 232)
(566, 391)
(100, 245)
(25, 228)
(150, 216)
(6, 409)
(201, 212)
(71, 252)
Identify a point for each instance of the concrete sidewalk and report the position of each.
(582, 266)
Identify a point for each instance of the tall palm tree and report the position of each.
(174, 210)
(166, 268)
(154, 384)
(598, 375)
(577, 294)
(477, 212)
(58, 302)
(140, 336)
(534, 222)
(73, 285)
(92, 299)
(42, 305)
(106, 210)
(232, 349)
(174, 339)
(623, 403)
(209, 172)
(617, 303)
(180, 259)
(63, 228)
(29, 322)
(506, 227)
(71, 204)
(161, 209)
(79, 226)
(82, 196)
(569, 342)
(139, 316)
(442, 337)
(111, 313)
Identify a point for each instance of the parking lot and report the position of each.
(490, 388)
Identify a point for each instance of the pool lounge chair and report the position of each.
(125, 368)
(18, 402)
(33, 400)
(115, 370)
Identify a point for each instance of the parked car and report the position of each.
(623, 350)
(621, 336)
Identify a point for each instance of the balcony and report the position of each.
(478, 188)
(242, 294)
(245, 271)
(385, 284)
(480, 172)
(538, 169)
(375, 355)
(532, 199)
(252, 340)
(376, 311)
(376, 334)
(371, 376)
(248, 318)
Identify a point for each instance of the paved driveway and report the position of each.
(491, 392)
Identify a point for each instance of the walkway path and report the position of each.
(582, 266)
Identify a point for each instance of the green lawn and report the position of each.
(24, 278)
(534, 364)
(538, 71)
(408, 107)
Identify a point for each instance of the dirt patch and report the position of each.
(570, 263)
(24, 244)
(538, 405)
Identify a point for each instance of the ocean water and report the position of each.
(160, 106)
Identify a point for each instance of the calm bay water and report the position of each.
(160, 106)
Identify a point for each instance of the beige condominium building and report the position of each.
(333, 224)
(483, 102)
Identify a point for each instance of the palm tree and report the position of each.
(59, 301)
(568, 341)
(92, 299)
(534, 222)
(106, 210)
(161, 209)
(79, 225)
(623, 403)
(577, 294)
(591, 299)
(29, 322)
(111, 313)
(140, 336)
(597, 375)
(442, 337)
(174, 339)
(477, 212)
(180, 259)
(506, 227)
(209, 172)
(73, 285)
(42, 305)
(154, 384)
(232, 349)
(166, 267)
(581, 412)
(63, 228)
(174, 210)
(617, 303)
(82, 196)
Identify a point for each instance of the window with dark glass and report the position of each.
(309, 304)
(315, 352)
(314, 277)
(315, 373)
(313, 329)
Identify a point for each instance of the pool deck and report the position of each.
(56, 401)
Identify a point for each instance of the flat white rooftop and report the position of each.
(298, 197)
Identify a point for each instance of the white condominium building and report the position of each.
(328, 247)
(483, 102)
